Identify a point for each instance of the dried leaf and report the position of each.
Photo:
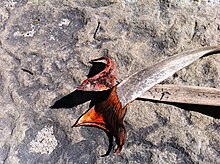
(104, 80)
(183, 94)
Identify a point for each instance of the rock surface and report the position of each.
(45, 47)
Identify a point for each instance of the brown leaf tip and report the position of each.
(109, 116)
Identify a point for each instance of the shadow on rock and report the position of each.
(78, 96)
(212, 111)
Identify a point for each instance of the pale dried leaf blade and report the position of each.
(183, 94)
(138, 83)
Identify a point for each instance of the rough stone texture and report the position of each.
(45, 47)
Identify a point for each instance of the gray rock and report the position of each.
(45, 48)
